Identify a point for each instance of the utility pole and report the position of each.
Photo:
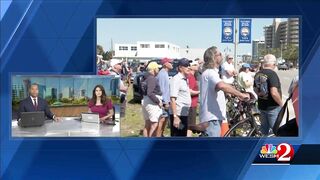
(226, 50)
(281, 49)
(235, 43)
(111, 48)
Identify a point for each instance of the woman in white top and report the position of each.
(246, 79)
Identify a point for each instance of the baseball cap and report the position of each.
(246, 65)
(153, 66)
(114, 62)
(184, 62)
(193, 63)
(269, 59)
(165, 60)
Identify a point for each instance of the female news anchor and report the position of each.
(101, 104)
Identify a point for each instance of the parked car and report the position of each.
(290, 65)
(174, 70)
(283, 67)
(137, 96)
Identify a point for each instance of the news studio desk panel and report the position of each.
(67, 127)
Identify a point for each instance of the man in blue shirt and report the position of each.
(163, 78)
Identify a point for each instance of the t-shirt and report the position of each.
(103, 109)
(151, 88)
(225, 76)
(273, 81)
(164, 83)
(246, 81)
(212, 101)
(193, 84)
(180, 90)
(121, 84)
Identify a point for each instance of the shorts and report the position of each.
(192, 116)
(150, 110)
(182, 131)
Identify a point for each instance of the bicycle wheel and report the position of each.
(240, 129)
(255, 133)
(256, 124)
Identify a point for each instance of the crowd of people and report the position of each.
(206, 82)
(119, 68)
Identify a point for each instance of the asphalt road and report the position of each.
(285, 80)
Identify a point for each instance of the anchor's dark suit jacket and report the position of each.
(26, 105)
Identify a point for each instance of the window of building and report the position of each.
(159, 46)
(133, 48)
(145, 45)
(123, 48)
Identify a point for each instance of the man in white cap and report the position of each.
(268, 88)
(115, 69)
(227, 70)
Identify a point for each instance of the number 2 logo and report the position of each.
(285, 152)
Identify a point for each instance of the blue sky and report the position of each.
(194, 32)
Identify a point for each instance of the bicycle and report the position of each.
(244, 122)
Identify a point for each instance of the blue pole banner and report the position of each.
(244, 30)
(227, 30)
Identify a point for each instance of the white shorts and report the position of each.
(150, 110)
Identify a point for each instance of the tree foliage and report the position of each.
(100, 50)
(290, 54)
(106, 55)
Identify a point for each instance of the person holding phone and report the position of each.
(180, 99)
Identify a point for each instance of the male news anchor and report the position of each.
(34, 103)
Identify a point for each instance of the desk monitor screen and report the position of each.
(90, 117)
(32, 119)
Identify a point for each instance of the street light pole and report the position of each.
(226, 51)
(187, 51)
(281, 49)
(235, 43)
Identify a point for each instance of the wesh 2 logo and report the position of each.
(283, 152)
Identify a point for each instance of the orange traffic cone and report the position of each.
(224, 128)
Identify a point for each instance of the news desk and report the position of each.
(67, 127)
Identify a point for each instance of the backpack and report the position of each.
(142, 85)
(261, 87)
(290, 128)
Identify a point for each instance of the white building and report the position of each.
(192, 53)
(257, 47)
(146, 50)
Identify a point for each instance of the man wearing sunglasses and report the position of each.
(212, 89)
(227, 70)
(116, 68)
